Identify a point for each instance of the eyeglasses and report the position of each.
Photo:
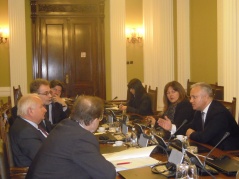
(45, 93)
(101, 117)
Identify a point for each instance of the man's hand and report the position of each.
(57, 99)
(165, 123)
(189, 132)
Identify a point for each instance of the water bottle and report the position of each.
(185, 143)
(134, 140)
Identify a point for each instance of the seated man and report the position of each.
(71, 150)
(55, 112)
(216, 120)
(56, 92)
(26, 138)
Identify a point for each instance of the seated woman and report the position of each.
(177, 108)
(139, 100)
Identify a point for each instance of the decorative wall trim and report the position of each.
(118, 49)
(5, 91)
(158, 44)
(183, 42)
(17, 44)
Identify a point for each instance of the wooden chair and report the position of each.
(17, 94)
(154, 98)
(231, 106)
(5, 171)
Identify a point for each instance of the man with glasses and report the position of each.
(211, 120)
(55, 112)
(72, 151)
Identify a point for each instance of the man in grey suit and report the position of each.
(71, 150)
(26, 138)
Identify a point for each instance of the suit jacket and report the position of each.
(183, 111)
(218, 121)
(70, 152)
(57, 113)
(25, 141)
(142, 106)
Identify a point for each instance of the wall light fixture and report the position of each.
(3, 35)
(134, 35)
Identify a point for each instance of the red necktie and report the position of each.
(42, 130)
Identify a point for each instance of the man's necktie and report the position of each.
(202, 115)
(43, 131)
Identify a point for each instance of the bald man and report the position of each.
(26, 138)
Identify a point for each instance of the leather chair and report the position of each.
(154, 98)
(231, 106)
(17, 94)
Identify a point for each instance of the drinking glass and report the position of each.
(182, 171)
(192, 172)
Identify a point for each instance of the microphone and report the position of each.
(113, 115)
(183, 123)
(225, 136)
(196, 162)
(114, 98)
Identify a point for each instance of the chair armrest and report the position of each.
(18, 170)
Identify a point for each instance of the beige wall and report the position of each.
(134, 19)
(203, 34)
(203, 40)
(4, 48)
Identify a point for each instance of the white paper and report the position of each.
(136, 157)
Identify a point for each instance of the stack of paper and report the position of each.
(131, 158)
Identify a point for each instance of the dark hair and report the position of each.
(86, 109)
(136, 84)
(55, 83)
(35, 84)
(176, 87)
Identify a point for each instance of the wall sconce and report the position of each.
(134, 35)
(3, 35)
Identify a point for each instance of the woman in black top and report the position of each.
(177, 108)
(139, 100)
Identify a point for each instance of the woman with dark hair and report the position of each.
(139, 101)
(176, 109)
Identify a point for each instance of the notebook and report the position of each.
(140, 173)
(226, 165)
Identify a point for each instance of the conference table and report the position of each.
(162, 157)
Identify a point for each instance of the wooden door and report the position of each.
(70, 46)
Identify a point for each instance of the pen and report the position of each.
(123, 163)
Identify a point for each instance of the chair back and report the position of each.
(189, 84)
(17, 94)
(231, 106)
(218, 91)
(4, 167)
(153, 94)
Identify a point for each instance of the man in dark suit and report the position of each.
(58, 103)
(26, 138)
(71, 150)
(211, 120)
(55, 110)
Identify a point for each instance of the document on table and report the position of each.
(131, 158)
